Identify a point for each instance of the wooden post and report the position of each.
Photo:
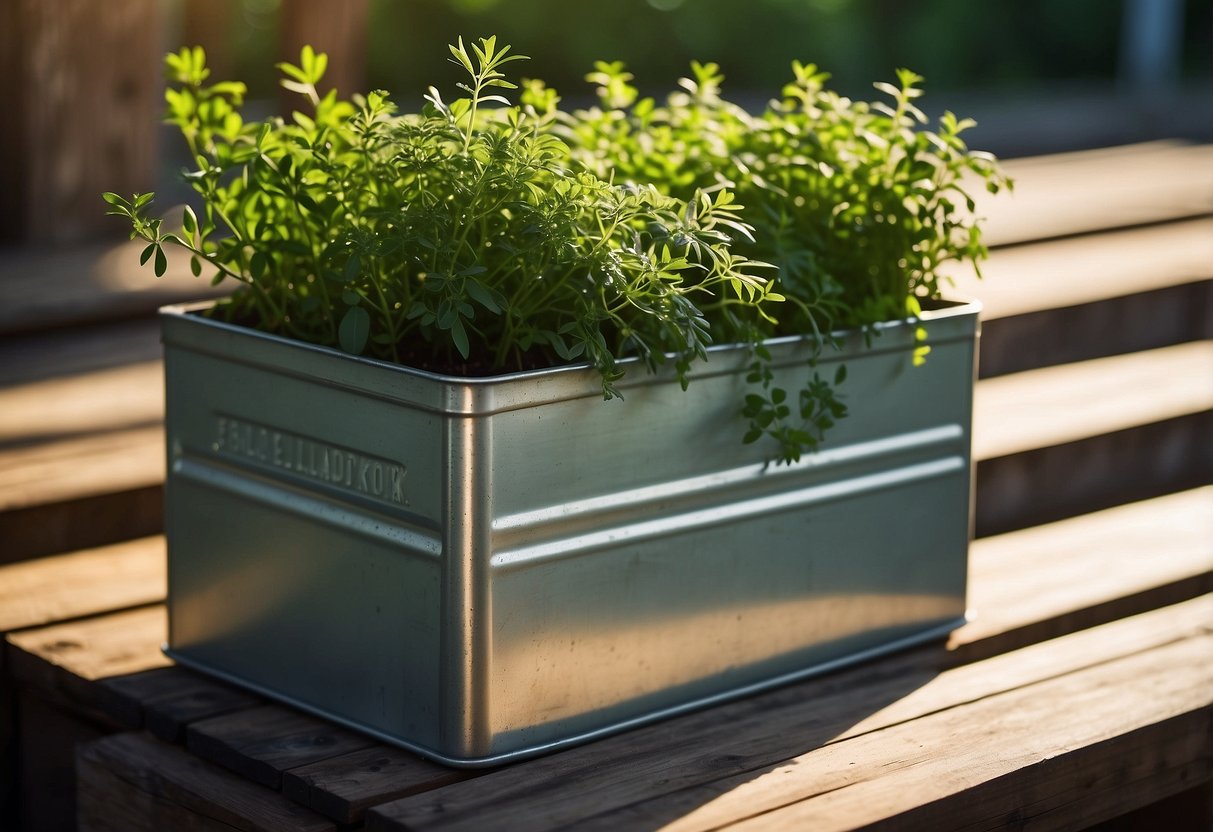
(337, 28)
(82, 117)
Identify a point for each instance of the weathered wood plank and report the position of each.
(172, 697)
(101, 401)
(62, 587)
(84, 465)
(81, 491)
(1131, 732)
(1075, 193)
(1051, 275)
(1039, 583)
(1068, 402)
(77, 351)
(344, 787)
(261, 743)
(94, 283)
(1064, 440)
(133, 782)
(63, 661)
(94, 520)
(714, 768)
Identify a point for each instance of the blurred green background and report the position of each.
(959, 45)
(1039, 76)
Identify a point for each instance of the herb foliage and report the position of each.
(480, 236)
(461, 238)
(859, 204)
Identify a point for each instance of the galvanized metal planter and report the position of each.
(481, 569)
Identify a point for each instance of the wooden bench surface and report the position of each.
(1048, 602)
(1079, 692)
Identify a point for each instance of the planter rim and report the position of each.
(484, 395)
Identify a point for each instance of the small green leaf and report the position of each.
(351, 298)
(460, 337)
(147, 254)
(189, 221)
(354, 330)
(257, 264)
(161, 262)
(481, 294)
(195, 266)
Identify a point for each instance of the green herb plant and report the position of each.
(858, 204)
(460, 239)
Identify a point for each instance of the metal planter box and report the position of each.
(481, 569)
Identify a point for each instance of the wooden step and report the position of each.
(1077, 193)
(1025, 588)
(1114, 326)
(62, 588)
(175, 790)
(1061, 441)
(44, 355)
(1092, 296)
(89, 284)
(1019, 280)
(1042, 582)
(81, 459)
(1066, 403)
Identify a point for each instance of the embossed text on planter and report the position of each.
(311, 459)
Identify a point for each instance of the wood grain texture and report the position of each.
(173, 697)
(1055, 405)
(1075, 193)
(1048, 275)
(137, 783)
(62, 587)
(1038, 583)
(261, 743)
(344, 787)
(63, 661)
(1122, 724)
(928, 735)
